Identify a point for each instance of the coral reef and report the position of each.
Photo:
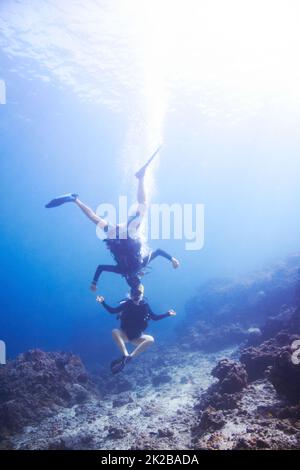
(256, 402)
(129, 412)
(37, 384)
(256, 419)
(285, 375)
(232, 376)
(193, 394)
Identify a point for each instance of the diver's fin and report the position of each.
(118, 364)
(58, 201)
(141, 172)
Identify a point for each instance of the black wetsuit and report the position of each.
(134, 317)
(127, 254)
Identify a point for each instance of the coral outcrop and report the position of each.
(256, 402)
(37, 384)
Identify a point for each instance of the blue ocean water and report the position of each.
(59, 133)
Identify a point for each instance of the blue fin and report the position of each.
(58, 201)
(141, 172)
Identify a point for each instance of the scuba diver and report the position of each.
(122, 240)
(134, 314)
(130, 263)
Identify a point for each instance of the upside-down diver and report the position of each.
(134, 314)
(122, 239)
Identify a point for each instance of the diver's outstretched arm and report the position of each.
(107, 307)
(100, 269)
(162, 253)
(153, 316)
(91, 214)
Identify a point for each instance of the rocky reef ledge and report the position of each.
(39, 384)
(48, 401)
(165, 401)
(256, 402)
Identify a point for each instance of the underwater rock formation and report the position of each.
(232, 376)
(251, 309)
(255, 419)
(131, 412)
(263, 414)
(267, 355)
(285, 375)
(37, 384)
(225, 393)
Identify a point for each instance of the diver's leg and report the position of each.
(135, 222)
(91, 214)
(107, 268)
(118, 364)
(141, 192)
(120, 338)
(141, 344)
